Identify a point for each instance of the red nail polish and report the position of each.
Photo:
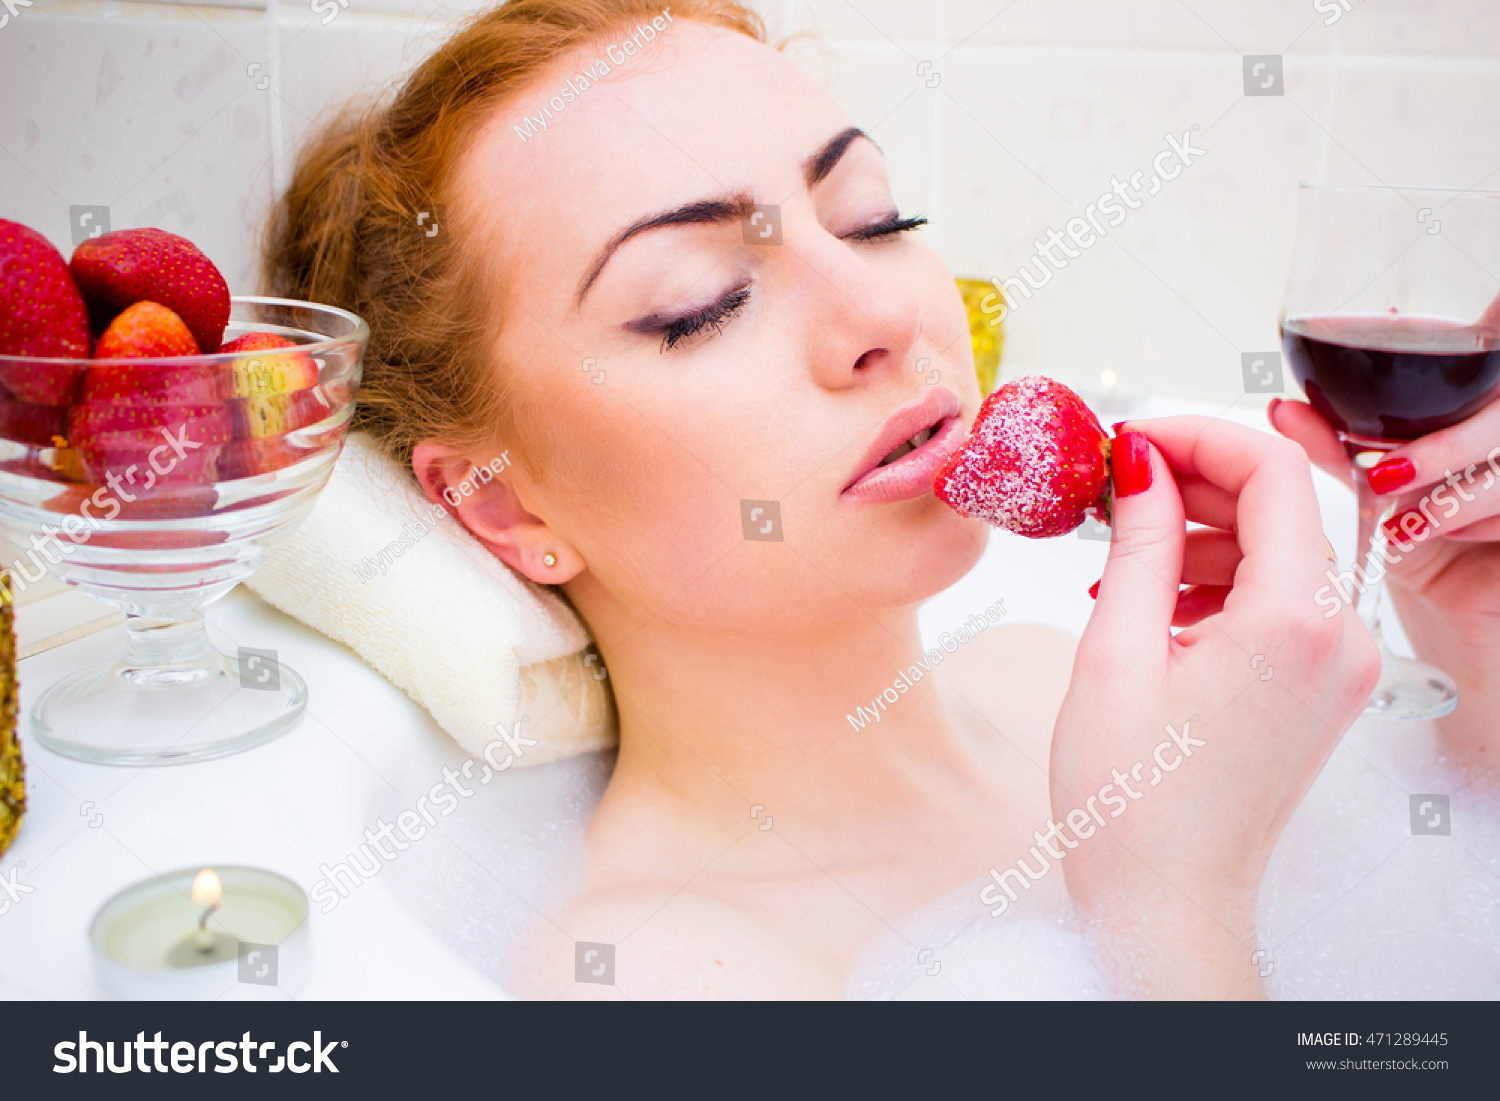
(1271, 411)
(1130, 460)
(1397, 529)
(1114, 429)
(1094, 589)
(1391, 475)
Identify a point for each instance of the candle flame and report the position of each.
(1108, 377)
(207, 890)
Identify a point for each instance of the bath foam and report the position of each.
(942, 953)
(1353, 907)
(1357, 905)
(510, 855)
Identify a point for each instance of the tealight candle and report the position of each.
(180, 935)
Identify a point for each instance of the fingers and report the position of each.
(1138, 592)
(1301, 423)
(1198, 603)
(1210, 558)
(1205, 503)
(1456, 506)
(1277, 520)
(1470, 446)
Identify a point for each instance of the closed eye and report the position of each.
(715, 316)
(887, 228)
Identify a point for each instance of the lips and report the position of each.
(911, 446)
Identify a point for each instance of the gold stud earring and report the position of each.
(549, 559)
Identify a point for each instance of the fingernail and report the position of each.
(1094, 589)
(1271, 411)
(1130, 461)
(1114, 429)
(1391, 475)
(1397, 528)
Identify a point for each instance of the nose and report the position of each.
(862, 318)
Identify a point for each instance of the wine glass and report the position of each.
(1391, 329)
(157, 485)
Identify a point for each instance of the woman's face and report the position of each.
(672, 362)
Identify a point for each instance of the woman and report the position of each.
(600, 302)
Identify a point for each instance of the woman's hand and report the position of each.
(1177, 761)
(1446, 534)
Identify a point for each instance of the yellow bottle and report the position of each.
(987, 336)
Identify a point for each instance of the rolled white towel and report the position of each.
(399, 581)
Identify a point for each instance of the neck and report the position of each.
(714, 717)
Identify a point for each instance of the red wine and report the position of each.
(1391, 377)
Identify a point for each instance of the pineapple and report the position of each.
(12, 768)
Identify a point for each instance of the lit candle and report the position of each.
(207, 890)
(180, 935)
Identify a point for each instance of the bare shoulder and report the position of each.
(1012, 678)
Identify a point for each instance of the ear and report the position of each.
(484, 499)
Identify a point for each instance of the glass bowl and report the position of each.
(157, 485)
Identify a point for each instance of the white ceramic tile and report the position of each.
(882, 20)
(150, 111)
(885, 98)
(1436, 126)
(1232, 26)
(1410, 27)
(1172, 296)
(350, 60)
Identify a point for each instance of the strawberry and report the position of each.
(32, 425)
(145, 330)
(244, 458)
(130, 383)
(135, 265)
(277, 414)
(1036, 461)
(168, 443)
(41, 314)
(269, 374)
(274, 396)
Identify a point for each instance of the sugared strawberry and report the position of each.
(41, 314)
(145, 330)
(135, 265)
(1035, 461)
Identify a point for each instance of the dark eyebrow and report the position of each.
(817, 166)
(731, 208)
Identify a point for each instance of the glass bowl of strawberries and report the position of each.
(158, 439)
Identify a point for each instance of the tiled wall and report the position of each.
(999, 119)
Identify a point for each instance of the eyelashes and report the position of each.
(713, 317)
(720, 313)
(887, 228)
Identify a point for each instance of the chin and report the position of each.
(930, 553)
